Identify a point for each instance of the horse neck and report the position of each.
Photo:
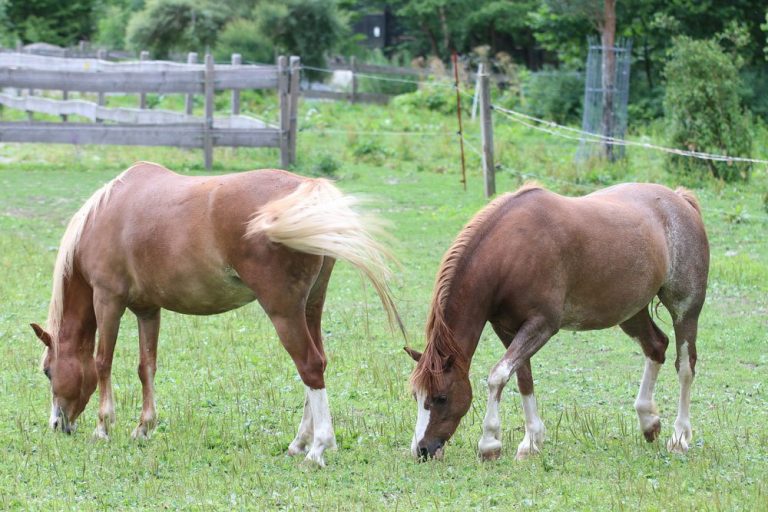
(464, 313)
(77, 328)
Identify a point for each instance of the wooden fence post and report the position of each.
(295, 66)
(353, 68)
(144, 55)
(64, 96)
(101, 55)
(486, 130)
(190, 101)
(285, 116)
(208, 128)
(237, 59)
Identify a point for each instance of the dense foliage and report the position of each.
(703, 109)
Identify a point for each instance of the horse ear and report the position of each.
(415, 354)
(44, 336)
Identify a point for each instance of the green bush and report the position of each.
(703, 109)
(439, 96)
(244, 37)
(165, 26)
(308, 28)
(555, 95)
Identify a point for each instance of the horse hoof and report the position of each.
(297, 449)
(100, 434)
(313, 461)
(652, 433)
(490, 455)
(140, 433)
(677, 445)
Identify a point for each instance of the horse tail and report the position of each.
(690, 197)
(317, 218)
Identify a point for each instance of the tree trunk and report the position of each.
(608, 72)
(446, 34)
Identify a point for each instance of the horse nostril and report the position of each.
(423, 453)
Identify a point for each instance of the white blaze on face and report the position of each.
(55, 412)
(422, 421)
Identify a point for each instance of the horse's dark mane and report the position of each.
(441, 344)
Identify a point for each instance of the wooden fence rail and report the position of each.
(148, 127)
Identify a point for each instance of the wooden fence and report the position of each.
(140, 126)
(375, 71)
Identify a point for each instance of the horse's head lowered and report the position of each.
(443, 394)
(73, 380)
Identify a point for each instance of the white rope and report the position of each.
(596, 138)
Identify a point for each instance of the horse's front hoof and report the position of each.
(140, 433)
(490, 455)
(295, 449)
(314, 461)
(652, 432)
(100, 434)
(677, 445)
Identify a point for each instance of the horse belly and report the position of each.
(199, 295)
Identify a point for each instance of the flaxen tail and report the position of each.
(690, 197)
(317, 218)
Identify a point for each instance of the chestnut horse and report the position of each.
(533, 262)
(153, 239)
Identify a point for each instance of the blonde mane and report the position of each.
(441, 344)
(66, 255)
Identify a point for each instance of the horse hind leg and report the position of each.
(654, 344)
(686, 328)
(684, 304)
(314, 312)
(149, 330)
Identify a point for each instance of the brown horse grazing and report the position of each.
(532, 263)
(153, 239)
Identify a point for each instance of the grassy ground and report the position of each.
(229, 399)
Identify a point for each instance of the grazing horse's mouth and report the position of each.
(434, 451)
(59, 419)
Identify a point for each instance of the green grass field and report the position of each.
(230, 401)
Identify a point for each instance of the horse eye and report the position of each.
(47, 372)
(440, 399)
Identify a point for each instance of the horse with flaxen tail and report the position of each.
(152, 239)
(534, 262)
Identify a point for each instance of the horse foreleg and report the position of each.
(685, 340)
(534, 427)
(108, 310)
(149, 330)
(532, 335)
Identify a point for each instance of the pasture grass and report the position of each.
(230, 401)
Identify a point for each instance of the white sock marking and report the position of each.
(682, 437)
(647, 413)
(534, 429)
(321, 419)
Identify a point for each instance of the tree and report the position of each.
(703, 108)
(164, 26)
(51, 21)
(307, 28)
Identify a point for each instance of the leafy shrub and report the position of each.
(555, 95)
(391, 87)
(244, 37)
(165, 26)
(111, 26)
(703, 110)
(439, 96)
(308, 28)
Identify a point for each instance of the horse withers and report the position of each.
(152, 239)
(534, 262)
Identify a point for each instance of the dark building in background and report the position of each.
(379, 28)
